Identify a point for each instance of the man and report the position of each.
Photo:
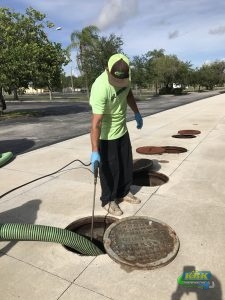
(111, 147)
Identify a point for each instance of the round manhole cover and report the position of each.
(142, 165)
(150, 150)
(141, 242)
(189, 131)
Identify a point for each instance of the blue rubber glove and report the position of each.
(94, 156)
(139, 120)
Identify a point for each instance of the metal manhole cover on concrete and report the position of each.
(141, 242)
(150, 150)
(142, 165)
(189, 131)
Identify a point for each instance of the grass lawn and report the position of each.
(18, 114)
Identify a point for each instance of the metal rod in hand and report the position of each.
(96, 166)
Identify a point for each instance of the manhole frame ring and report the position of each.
(184, 136)
(156, 264)
(158, 175)
(170, 148)
(80, 223)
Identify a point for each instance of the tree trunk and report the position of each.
(15, 94)
(86, 83)
(2, 100)
(156, 88)
(50, 95)
(50, 90)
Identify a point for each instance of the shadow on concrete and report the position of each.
(210, 294)
(156, 165)
(16, 146)
(26, 213)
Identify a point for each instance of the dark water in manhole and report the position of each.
(184, 136)
(83, 228)
(149, 179)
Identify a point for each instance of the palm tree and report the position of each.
(82, 41)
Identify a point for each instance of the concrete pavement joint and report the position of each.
(93, 291)
(33, 266)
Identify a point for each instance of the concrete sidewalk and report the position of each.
(192, 202)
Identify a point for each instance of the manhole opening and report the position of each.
(189, 131)
(174, 149)
(83, 228)
(149, 179)
(150, 150)
(142, 165)
(184, 136)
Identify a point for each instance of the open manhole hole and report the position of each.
(83, 228)
(150, 150)
(141, 242)
(189, 131)
(184, 136)
(149, 179)
(174, 149)
(142, 165)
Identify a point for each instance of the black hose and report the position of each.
(30, 232)
(22, 185)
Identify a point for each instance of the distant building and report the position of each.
(31, 90)
(177, 86)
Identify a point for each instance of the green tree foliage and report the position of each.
(210, 75)
(48, 73)
(26, 53)
(71, 81)
(84, 41)
(98, 56)
(152, 65)
(93, 51)
(139, 71)
(106, 47)
(164, 70)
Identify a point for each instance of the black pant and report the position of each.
(116, 168)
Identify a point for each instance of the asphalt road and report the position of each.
(59, 121)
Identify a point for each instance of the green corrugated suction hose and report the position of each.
(5, 157)
(31, 232)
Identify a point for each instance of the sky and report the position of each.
(193, 30)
